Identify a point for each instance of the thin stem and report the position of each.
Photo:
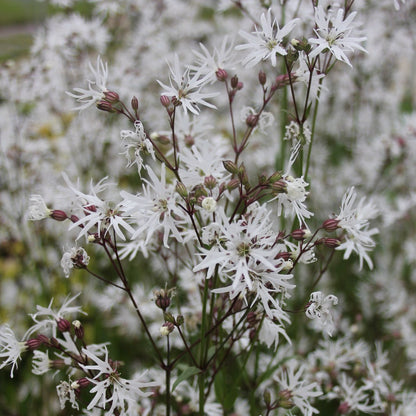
(167, 371)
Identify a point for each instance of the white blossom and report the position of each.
(77, 257)
(267, 42)
(10, 348)
(320, 308)
(38, 209)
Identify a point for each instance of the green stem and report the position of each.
(168, 370)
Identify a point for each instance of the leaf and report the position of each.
(187, 373)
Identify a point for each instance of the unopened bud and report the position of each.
(83, 382)
(33, 344)
(210, 182)
(234, 81)
(54, 342)
(267, 397)
(165, 100)
(64, 325)
(331, 242)
(240, 86)
(180, 320)
(331, 224)
(169, 317)
(43, 339)
(285, 255)
(262, 78)
(78, 329)
(58, 215)
(163, 298)
(181, 190)
(135, 103)
(74, 218)
(252, 120)
(230, 166)
(233, 184)
(221, 74)
(252, 318)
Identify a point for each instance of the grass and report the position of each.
(14, 46)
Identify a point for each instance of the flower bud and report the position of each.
(298, 234)
(74, 218)
(135, 103)
(234, 82)
(54, 342)
(221, 74)
(43, 339)
(180, 320)
(163, 298)
(262, 78)
(233, 184)
(252, 120)
(230, 166)
(267, 397)
(343, 408)
(210, 182)
(58, 215)
(78, 329)
(275, 177)
(33, 343)
(181, 190)
(165, 100)
(169, 317)
(83, 382)
(331, 224)
(285, 255)
(64, 325)
(240, 86)
(331, 242)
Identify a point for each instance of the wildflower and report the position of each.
(110, 387)
(209, 204)
(135, 143)
(355, 222)
(246, 254)
(270, 331)
(319, 307)
(76, 258)
(50, 318)
(296, 389)
(38, 209)
(10, 348)
(208, 64)
(186, 88)
(156, 209)
(66, 392)
(41, 363)
(267, 42)
(96, 89)
(303, 74)
(99, 213)
(334, 34)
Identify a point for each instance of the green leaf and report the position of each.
(187, 373)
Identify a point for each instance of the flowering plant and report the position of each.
(213, 259)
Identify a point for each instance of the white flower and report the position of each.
(156, 209)
(10, 348)
(208, 64)
(77, 258)
(397, 3)
(303, 74)
(209, 204)
(66, 392)
(246, 253)
(186, 89)
(270, 331)
(320, 308)
(334, 34)
(292, 383)
(49, 317)
(354, 398)
(109, 387)
(135, 143)
(292, 200)
(38, 209)
(355, 221)
(41, 363)
(99, 213)
(96, 88)
(265, 119)
(267, 42)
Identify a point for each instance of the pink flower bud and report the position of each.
(112, 97)
(165, 100)
(221, 74)
(64, 325)
(331, 224)
(58, 215)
